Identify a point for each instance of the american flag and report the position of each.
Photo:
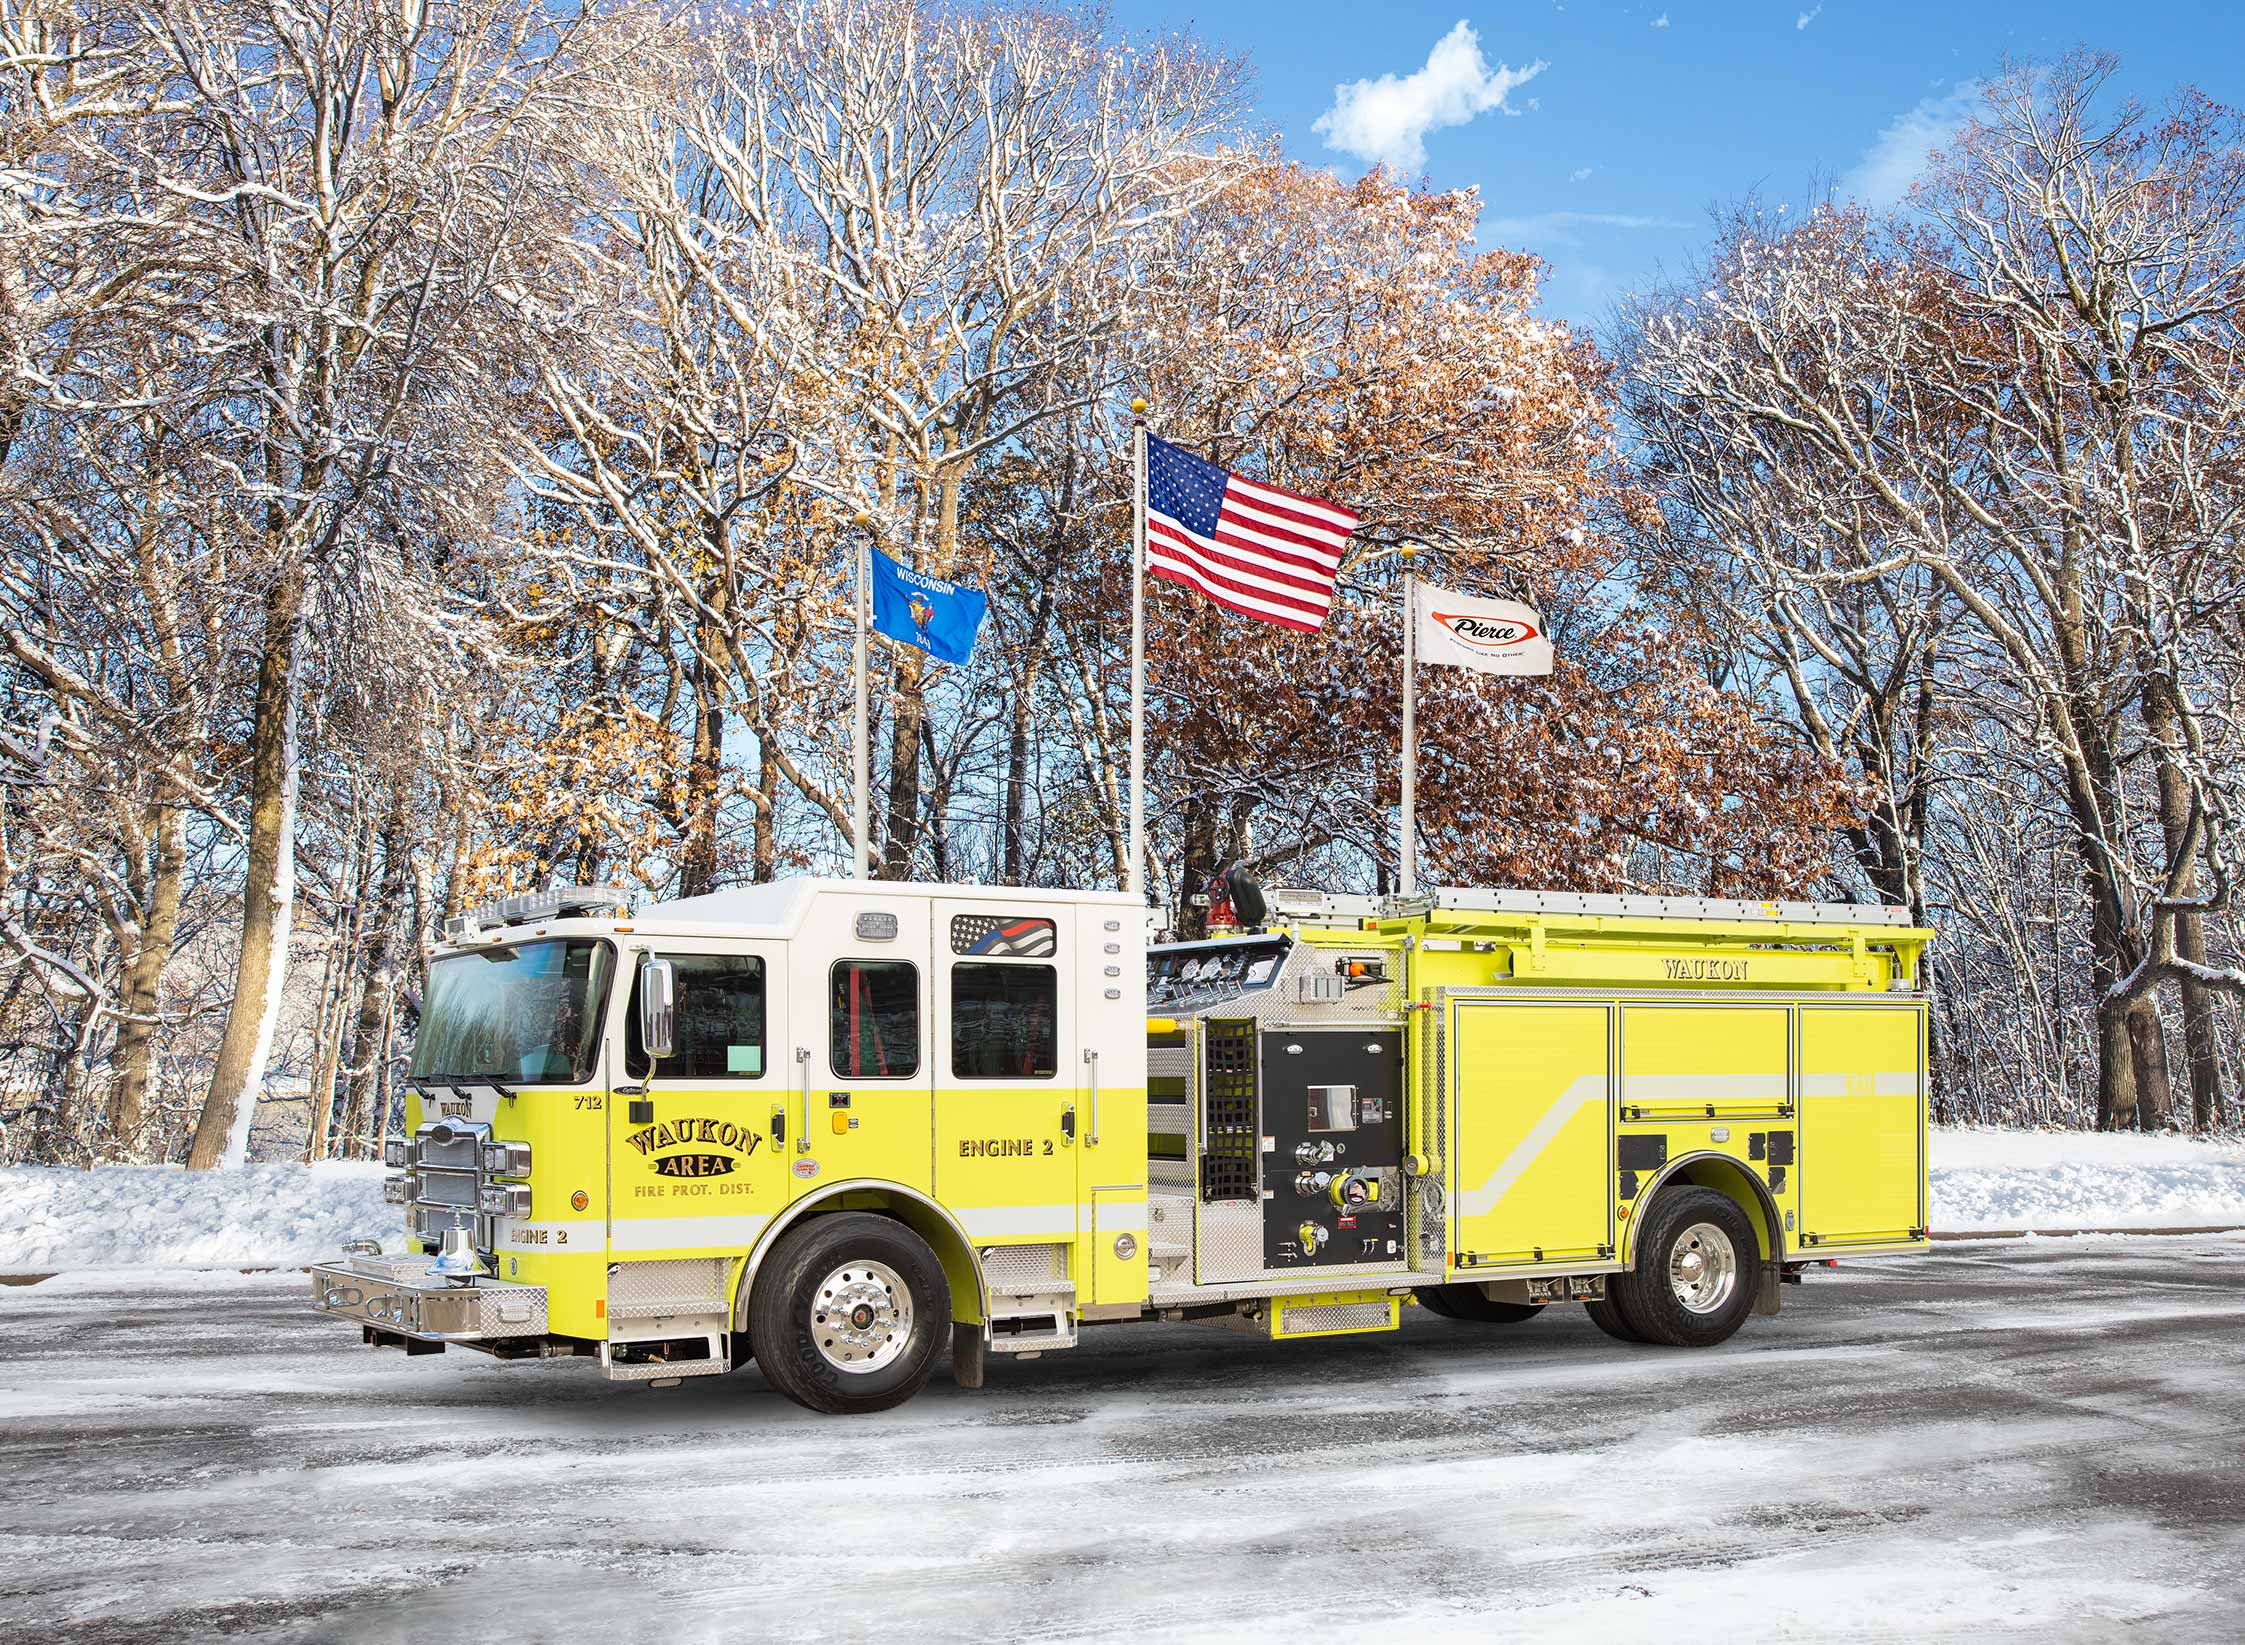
(1250, 547)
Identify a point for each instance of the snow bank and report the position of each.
(286, 1215)
(132, 1215)
(2078, 1179)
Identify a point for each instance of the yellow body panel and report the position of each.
(1685, 1062)
(1534, 1129)
(1862, 1124)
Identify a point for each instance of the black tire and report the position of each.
(1707, 1238)
(1431, 1298)
(1468, 1303)
(1608, 1317)
(884, 1273)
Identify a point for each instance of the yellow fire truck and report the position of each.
(836, 1126)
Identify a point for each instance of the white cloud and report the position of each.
(1661, 21)
(1890, 165)
(1581, 174)
(1561, 229)
(1808, 17)
(1386, 120)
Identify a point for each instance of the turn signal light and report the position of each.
(395, 1151)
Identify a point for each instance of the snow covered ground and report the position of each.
(284, 1215)
(2028, 1442)
(2075, 1179)
(130, 1215)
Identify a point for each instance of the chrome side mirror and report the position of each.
(658, 1000)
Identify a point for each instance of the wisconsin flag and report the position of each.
(939, 617)
(1494, 636)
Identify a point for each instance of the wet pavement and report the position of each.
(2036, 1440)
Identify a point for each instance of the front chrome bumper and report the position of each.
(399, 1296)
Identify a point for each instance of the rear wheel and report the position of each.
(1469, 1302)
(1693, 1282)
(1606, 1315)
(849, 1312)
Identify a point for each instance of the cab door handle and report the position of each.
(779, 1126)
(1068, 1123)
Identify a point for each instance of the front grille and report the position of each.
(445, 1181)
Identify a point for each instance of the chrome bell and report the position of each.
(459, 1260)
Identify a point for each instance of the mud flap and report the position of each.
(1765, 1300)
(967, 1354)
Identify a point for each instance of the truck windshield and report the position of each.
(530, 1012)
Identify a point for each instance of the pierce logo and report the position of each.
(1487, 633)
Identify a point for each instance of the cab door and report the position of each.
(862, 1069)
(1008, 1102)
(692, 1161)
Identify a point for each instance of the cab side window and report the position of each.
(875, 1019)
(1005, 1021)
(719, 1033)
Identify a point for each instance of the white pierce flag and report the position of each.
(1494, 636)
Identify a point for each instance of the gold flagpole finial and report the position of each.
(1138, 408)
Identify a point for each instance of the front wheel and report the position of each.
(1692, 1284)
(849, 1312)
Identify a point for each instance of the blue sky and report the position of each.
(1606, 160)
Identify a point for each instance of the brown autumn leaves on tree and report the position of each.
(1364, 349)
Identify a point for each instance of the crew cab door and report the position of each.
(1009, 1107)
(692, 1159)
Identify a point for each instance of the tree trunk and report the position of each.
(901, 824)
(764, 839)
(2201, 1043)
(2147, 1045)
(378, 981)
(268, 889)
(135, 1053)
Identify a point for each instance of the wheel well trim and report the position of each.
(1772, 1219)
(779, 1225)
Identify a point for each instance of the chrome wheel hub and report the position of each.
(1703, 1268)
(861, 1317)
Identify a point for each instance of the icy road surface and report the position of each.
(2003, 1441)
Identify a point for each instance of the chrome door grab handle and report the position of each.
(803, 1067)
(1092, 1059)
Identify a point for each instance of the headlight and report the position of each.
(506, 1159)
(502, 1201)
(397, 1190)
(396, 1152)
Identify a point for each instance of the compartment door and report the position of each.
(1532, 1164)
(1703, 1062)
(1862, 1157)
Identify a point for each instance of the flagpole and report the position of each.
(1134, 877)
(1408, 877)
(861, 756)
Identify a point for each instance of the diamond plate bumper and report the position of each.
(400, 1296)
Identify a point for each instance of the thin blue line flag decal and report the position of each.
(940, 618)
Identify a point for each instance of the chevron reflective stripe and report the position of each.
(1586, 1091)
(683, 1233)
(1888, 1082)
(1021, 1221)
(1703, 1088)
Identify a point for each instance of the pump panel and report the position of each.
(1332, 1147)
